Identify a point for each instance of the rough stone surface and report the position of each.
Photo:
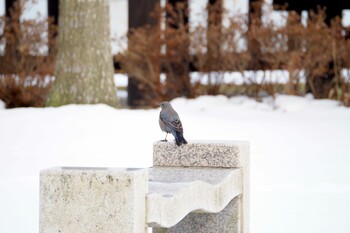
(226, 221)
(198, 187)
(96, 200)
(174, 192)
(227, 154)
(245, 205)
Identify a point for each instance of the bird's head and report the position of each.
(165, 105)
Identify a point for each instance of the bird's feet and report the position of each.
(164, 140)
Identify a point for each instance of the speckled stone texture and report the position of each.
(176, 191)
(93, 200)
(228, 154)
(226, 221)
(200, 154)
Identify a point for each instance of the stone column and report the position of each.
(234, 218)
(96, 200)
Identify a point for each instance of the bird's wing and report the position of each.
(174, 124)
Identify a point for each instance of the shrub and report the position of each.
(27, 64)
(314, 56)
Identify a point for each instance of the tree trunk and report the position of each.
(254, 20)
(139, 16)
(84, 66)
(178, 70)
(52, 10)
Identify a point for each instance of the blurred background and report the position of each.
(162, 50)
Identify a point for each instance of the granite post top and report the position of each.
(226, 154)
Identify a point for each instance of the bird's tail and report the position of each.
(179, 139)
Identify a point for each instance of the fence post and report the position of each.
(96, 200)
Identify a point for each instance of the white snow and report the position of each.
(2, 104)
(235, 77)
(300, 154)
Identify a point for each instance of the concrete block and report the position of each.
(226, 221)
(174, 192)
(226, 154)
(93, 200)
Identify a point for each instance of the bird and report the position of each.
(169, 122)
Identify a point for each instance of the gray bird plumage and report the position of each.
(169, 122)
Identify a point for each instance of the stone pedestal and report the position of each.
(93, 200)
(200, 187)
(234, 218)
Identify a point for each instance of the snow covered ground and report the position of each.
(300, 154)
